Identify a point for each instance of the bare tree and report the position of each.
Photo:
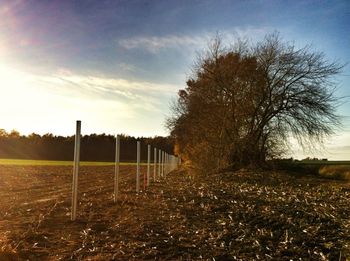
(242, 104)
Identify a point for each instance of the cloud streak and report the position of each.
(135, 107)
(148, 95)
(154, 44)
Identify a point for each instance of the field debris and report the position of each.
(242, 215)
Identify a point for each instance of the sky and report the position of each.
(118, 65)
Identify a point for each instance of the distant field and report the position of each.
(327, 169)
(55, 163)
(320, 162)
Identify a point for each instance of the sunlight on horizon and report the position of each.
(28, 106)
(22, 102)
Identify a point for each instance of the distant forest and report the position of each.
(94, 147)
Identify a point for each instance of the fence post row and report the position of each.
(116, 168)
(76, 171)
(166, 163)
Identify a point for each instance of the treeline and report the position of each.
(94, 147)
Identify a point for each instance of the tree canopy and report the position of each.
(242, 103)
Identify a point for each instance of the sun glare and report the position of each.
(13, 85)
(30, 103)
(6, 74)
(19, 98)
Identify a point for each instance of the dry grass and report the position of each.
(341, 172)
(7, 251)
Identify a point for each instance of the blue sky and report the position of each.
(116, 65)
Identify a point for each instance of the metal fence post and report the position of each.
(76, 171)
(155, 164)
(148, 163)
(159, 162)
(116, 167)
(138, 167)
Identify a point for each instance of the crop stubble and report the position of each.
(247, 215)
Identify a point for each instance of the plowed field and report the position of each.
(243, 215)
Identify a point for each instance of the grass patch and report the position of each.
(335, 172)
(25, 162)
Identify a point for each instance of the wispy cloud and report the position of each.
(79, 87)
(134, 93)
(250, 33)
(64, 96)
(127, 67)
(154, 44)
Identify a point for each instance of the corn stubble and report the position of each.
(242, 215)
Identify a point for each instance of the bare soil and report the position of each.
(242, 215)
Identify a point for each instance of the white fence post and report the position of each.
(138, 167)
(169, 163)
(76, 171)
(155, 164)
(162, 163)
(148, 163)
(159, 162)
(172, 162)
(166, 164)
(116, 167)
